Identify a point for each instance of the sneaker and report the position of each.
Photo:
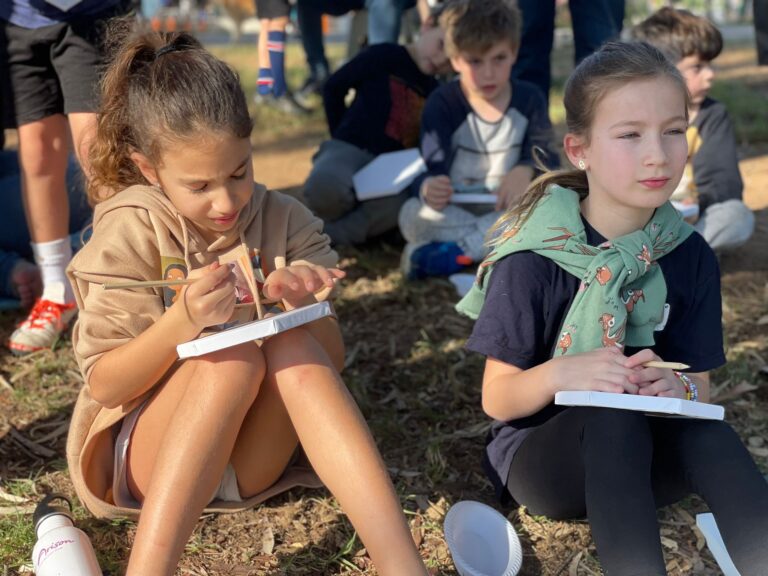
(42, 328)
(312, 87)
(286, 104)
(433, 259)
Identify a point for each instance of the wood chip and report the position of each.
(268, 541)
(5, 384)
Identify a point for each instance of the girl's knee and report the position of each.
(614, 423)
(238, 368)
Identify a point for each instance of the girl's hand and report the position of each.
(437, 191)
(210, 299)
(601, 370)
(653, 381)
(294, 283)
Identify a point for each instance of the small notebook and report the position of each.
(388, 174)
(473, 198)
(650, 404)
(254, 330)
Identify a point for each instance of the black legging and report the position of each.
(617, 466)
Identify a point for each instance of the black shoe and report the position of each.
(313, 86)
(286, 104)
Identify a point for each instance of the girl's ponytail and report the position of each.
(157, 89)
(576, 180)
(110, 153)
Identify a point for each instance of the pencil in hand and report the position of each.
(147, 284)
(660, 364)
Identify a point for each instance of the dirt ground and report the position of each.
(419, 392)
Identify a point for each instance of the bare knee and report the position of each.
(238, 370)
(43, 147)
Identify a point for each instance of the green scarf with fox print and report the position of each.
(622, 291)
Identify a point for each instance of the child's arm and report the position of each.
(510, 393)
(437, 125)
(513, 186)
(129, 370)
(354, 73)
(296, 285)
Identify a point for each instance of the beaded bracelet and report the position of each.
(691, 391)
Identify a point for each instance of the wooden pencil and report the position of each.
(660, 364)
(147, 284)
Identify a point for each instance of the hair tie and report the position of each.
(165, 49)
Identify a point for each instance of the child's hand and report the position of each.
(210, 299)
(513, 186)
(601, 370)
(653, 381)
(437, 191)
(294, 283)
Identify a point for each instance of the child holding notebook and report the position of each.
(173, 188)
(592, 275)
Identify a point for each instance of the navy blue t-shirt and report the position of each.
(390, 92)
(526, 302)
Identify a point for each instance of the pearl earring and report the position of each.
(582, 166)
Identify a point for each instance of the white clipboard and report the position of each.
(388, 174)
(255, 330)
(649, 404)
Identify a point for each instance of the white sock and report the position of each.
(52, 258)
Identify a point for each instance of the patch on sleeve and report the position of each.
(172, 269)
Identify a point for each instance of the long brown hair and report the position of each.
(614, 65)
(158, 89)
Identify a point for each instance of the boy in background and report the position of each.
(391, 83)
(478, 133)
(711, 178)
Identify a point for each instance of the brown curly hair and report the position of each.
(158, 89)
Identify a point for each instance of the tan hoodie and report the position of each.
(139, 235)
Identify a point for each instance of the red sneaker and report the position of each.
(42, 328)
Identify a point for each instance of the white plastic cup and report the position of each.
(482, 542)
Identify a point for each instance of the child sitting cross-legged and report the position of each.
(480, 133)
(390, 83)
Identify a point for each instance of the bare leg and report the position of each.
(261, 48)
(43, 150)
(180, 447)
(341, 449)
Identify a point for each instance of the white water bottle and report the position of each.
(61, 549)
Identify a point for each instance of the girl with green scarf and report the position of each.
(592, 275)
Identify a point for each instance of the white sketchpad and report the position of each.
(706, 523)
(473, 198)
(650, 404)
(686, 210)
(254, 330)
(388, 174)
